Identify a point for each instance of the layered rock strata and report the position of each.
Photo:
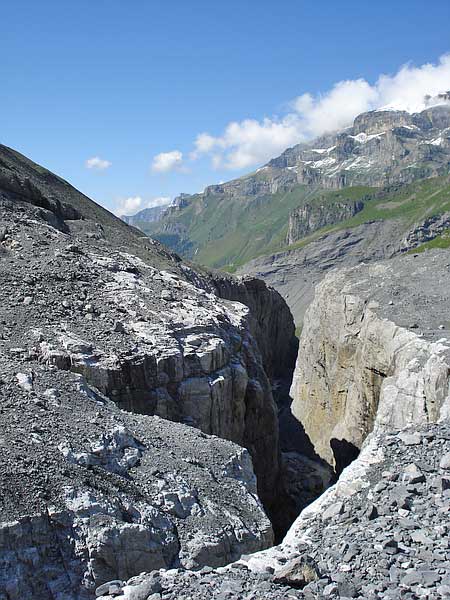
(271, 321)
(310, 217)
(374, 353)
(100, 330)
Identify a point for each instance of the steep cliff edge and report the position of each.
(374, 353)
(102, 332)
(311, 217)
(271, 321)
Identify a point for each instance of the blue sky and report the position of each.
(124, 81)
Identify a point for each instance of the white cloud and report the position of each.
(133, 204)
(335, 109)
(159, 201)
(168, 161)
(97, 163)
(128, 206)
(251, 142)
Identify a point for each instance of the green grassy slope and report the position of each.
(409, 204)
(226, 232)
(442, 241)
(230, 231)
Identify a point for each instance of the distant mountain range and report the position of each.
(263, 212)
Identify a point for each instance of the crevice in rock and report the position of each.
(305, 474)
(344, 453)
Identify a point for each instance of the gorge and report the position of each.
(149, 445)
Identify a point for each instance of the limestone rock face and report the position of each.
(372, 354)
(270, 319)
(383, 146)
(118, 366)
(178, 353)
(310, 217)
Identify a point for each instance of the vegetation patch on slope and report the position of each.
(442, 241)
(223, 231)
(409, 204)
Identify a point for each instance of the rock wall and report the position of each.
(270, 319)
(428, 230)
(196, 362)
(372, 354)
(310, 217)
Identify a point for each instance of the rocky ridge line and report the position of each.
(95, 313)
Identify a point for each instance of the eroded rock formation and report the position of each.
(102, 332)
(380, 532)
(310, 217)
(270, 319)
(374, 353)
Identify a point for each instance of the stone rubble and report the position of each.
(376, 534)
(102, 333)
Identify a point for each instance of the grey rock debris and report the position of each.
(395, 553)
(131, 398)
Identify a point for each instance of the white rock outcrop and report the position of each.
(373, 354)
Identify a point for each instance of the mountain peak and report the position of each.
(417, 106)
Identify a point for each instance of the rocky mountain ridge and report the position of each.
(382, 148)
(146, 215)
